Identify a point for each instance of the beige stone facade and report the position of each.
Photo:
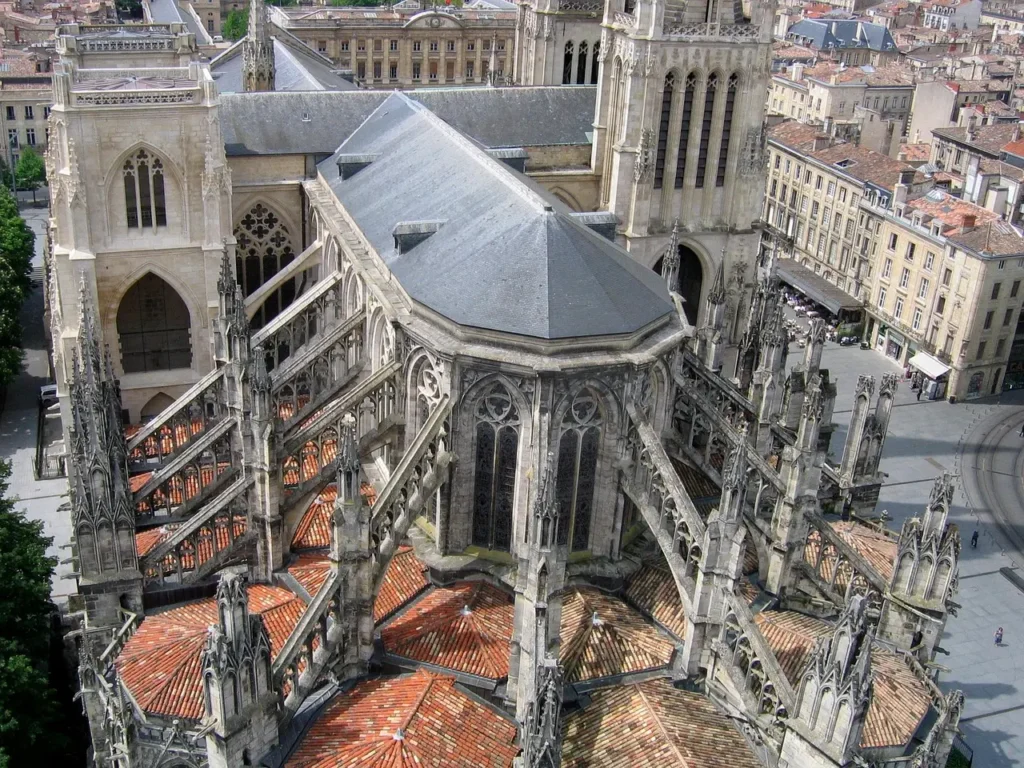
(388, 48)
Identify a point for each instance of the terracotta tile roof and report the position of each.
(146, 541)
(750, 561)
(921, 152)
(875, 547)
(164, 440)
(417, 720)
(857, 162)
(403, 580)
(994, 237)
(986, 138)
(466, 628)
(160, 664)
(899, 699)
(135, 482)
(652, 725)
(311, 570)
(602, 636)
(748, 590)
(791, 637)
(314, 529)
(312, 458)
(950, 211)
(653, 590)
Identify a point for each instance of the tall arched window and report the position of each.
(497, 449)
(595, 63)
(567, 64)
(581, 64)
(723, 154)
(264, 248)
(578, 449)
(684, 129)
(666, 116)
(154, 328)
(705, 129)
(144, 200)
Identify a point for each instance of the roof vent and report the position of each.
(466, 610)
(350, 165)
(595, 620)
(399, 735)
(409, 234)
(306, 118)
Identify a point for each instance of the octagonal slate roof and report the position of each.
(504, 254)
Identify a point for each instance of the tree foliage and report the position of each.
(129, 9)
(235, 25)
(31, 731)
(17, 246)
(30, 171)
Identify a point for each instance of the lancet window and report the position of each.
(581, 64)
(684, 129)
(578, 448)
(663, 129)
(497, 449)
(264, 249)
(144, 200)
(567, 64)
(705, 130)
(723, 154)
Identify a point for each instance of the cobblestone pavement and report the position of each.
(925, 439)
(39, 498)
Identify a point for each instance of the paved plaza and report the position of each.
(925, 439)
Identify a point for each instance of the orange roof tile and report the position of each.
(310, 569)
(160, 663)
(400, 722)
(145, 541)
(791, 636)
(466, 628)
(899, 699)
(314, 529)
(403, 580)
(899, 702)
(602, 636)
(874, 546)
(654, 591)
(652, 725)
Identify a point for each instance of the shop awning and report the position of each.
(928, 365)
(815, 287)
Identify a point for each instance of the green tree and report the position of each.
(31, 731)
(129, 9)
(235, 25)
(17, 242)
(30, 172)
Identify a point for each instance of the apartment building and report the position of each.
(951, 14)
(820, 201)
(406, 47)
(864, 104)
(937, 104)
(850, 42)
(945, 296)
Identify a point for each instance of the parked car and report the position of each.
(47, 395)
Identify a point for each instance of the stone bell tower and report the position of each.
(678, 135)
(258, 51)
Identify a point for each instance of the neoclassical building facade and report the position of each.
(381, 453)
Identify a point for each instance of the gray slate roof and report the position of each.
(508, 256)
(842, 34)
(297, 68)
(317, 122)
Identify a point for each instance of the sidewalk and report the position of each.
(39, 499)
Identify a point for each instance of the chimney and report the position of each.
(821, 141)
(968, 223)
(797, 73)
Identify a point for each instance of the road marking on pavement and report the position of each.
(935, 464)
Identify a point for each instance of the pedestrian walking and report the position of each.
(1022, 430)
(974, 540)
(999, 636)
(919, 393)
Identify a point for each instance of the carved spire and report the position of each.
(542, 729)
(716, 294)
(840, 662)
(226, 281)
(349, 466)
(670, 259)
(545, 511)
(258, 70)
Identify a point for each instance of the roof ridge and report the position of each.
(661, 727)
(430, 679)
